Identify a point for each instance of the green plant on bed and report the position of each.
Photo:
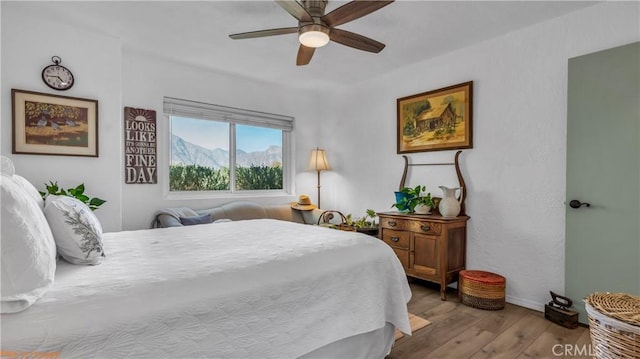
(368, 220)
(76, 192)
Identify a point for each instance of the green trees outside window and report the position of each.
(200, 178)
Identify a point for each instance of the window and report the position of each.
(227, 150)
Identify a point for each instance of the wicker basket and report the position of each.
(326, 217)
(614, 323)
(482, 290)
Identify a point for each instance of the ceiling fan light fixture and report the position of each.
(314, 35)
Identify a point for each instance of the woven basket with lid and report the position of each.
(481, 289)
(614, 323)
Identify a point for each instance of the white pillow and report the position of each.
(7, 168)
(29, 189)
(76, 230)
(27, 249)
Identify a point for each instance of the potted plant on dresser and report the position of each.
(424, 204)
(408, 198)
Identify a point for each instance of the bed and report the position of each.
(258, 288)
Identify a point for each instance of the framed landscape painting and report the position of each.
(436, 120)
(48, 124)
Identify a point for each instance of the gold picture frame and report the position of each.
(46, 124)
(436, 120)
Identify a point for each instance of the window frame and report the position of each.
(174, 107)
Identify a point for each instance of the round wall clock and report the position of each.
(57, 76)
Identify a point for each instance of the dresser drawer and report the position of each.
(424, 227)
(393, 223)
(399, 239)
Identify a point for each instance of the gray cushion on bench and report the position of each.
(236, 211)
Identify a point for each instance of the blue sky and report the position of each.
(212, 134)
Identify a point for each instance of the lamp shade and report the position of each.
(318, 160)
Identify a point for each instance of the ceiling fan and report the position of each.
(315, 28)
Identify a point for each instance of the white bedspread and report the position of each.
(247, 289)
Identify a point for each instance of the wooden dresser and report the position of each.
(430, 247)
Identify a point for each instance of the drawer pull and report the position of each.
(425, 228)
(392, 223)
(395, 239)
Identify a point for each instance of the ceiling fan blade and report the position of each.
(264, 33)
(353, 10)
(304, 55)
(356, 41)
(295, 9)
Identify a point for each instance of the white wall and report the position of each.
(515, 172)
(119, 78)
(147, 80)
(29, 40)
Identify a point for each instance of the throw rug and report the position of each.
(416, 323)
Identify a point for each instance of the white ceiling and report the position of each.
(196, 33)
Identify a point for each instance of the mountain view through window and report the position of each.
(202, 154)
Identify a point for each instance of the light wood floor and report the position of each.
(459, 332)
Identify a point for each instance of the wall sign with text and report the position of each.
(140, 146)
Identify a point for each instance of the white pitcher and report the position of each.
(449, 206)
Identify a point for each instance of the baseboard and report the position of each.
(525, 303)
(530, 304)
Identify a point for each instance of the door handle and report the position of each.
(577, 204)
